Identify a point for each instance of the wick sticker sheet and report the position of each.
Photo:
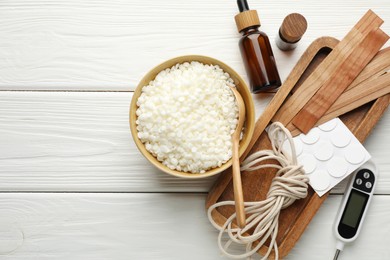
(328, 153)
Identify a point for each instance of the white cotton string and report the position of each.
(289, 184)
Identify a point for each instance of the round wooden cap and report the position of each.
(246, 19)
(293, 27)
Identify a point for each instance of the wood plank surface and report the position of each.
(154, 226)
(110, 45)
(80, 141)
(75, 142)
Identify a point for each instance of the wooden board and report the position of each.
(294, 219)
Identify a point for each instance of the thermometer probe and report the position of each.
(354, 205)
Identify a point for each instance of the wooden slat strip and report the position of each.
(354, 98)
(361, 95)
(346, 71)
(366, 81)
(377, 66)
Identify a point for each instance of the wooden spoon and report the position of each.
(237, 185)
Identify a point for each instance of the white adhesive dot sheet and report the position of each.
(328, 154)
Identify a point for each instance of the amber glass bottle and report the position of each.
(256, 51)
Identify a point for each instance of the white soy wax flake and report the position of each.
(341, 138)
(355, 154)
(328, 126)
(311, 137)
(323, 150)
(308, 162)
(320, 180)
(186, 117)
(337, 167)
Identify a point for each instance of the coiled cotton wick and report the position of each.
(289, 184)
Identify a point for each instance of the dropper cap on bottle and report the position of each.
(246, 18)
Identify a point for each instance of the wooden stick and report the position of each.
(237, 185)
(378, 65)
(346, 71)
(354, 98)
(367, 87)
(360, 95)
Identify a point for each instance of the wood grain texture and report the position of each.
(373, 82)
(347, 70)
(154, 226)
(110, 45)
(81, 141)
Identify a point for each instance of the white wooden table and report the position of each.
(72, 183)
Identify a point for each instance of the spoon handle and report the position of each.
(237, 186)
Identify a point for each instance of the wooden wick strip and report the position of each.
(359, 96)
(378, 65)
(366, 86)
(370, 21)
(346, 71)
(354, 98)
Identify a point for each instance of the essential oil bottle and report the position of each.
(256, 51)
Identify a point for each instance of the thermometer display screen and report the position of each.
(354, 208)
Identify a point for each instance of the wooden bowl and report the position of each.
(241, 87)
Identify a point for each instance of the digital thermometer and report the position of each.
(354, 205)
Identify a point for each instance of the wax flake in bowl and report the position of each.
(186, 117)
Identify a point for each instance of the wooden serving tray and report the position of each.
(294, 219)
